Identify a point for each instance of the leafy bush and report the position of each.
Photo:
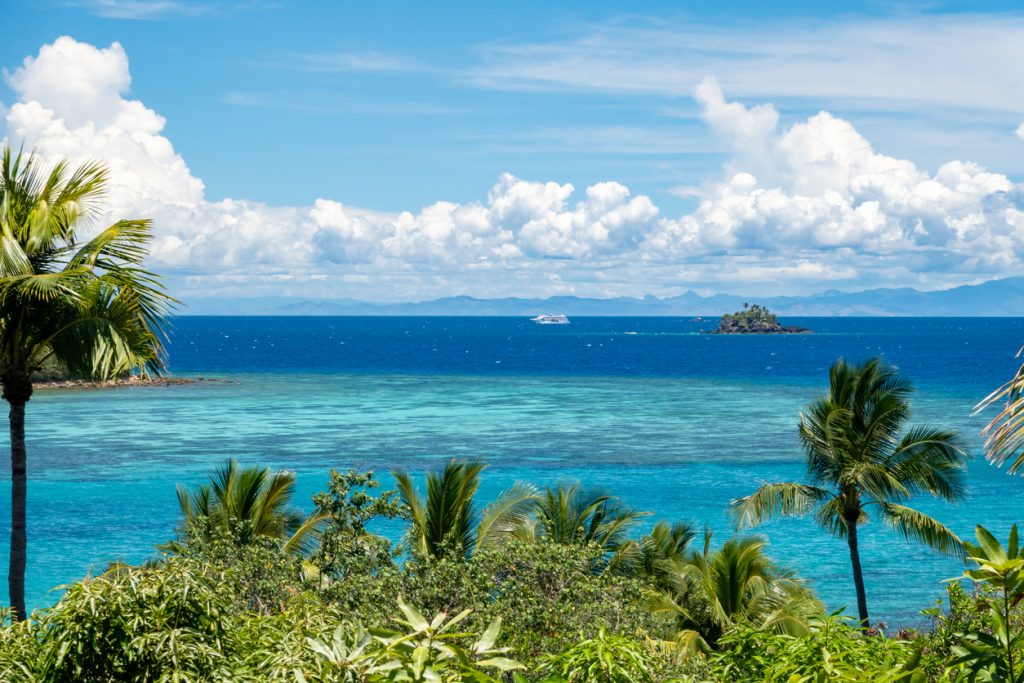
(831, 651)
(547, 594)
(346, 546)
(605, 658)
(148, 624)
(256, 576)
(423, 651)
(995, 653)
(19, 649)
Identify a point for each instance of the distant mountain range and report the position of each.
(994, 298)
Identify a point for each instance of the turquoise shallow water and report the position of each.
(675, 423)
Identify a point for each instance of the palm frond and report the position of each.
(830, 517)
(660, 552)
(1004, 434)
(45, 287)
(876, 480)
(503, 518)
(270, 505)
(102, 335)
(416, 536)
(124, 242)
(770, 501)
(13, 259)
(917, 526)
(445, 519)
(565, 513)
(932, 461)
(250, 503)
(89, 308)
(306, 535)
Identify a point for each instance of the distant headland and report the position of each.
(754, 320)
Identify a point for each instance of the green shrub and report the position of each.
(547, 594)
(832, 651)
(20, 649)
(346, 546)
(256, 576)
(605, 658)
(148, 624)
(995, 653)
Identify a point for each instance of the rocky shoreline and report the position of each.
(123, 383)
(778, 329)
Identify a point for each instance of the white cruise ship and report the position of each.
(546, 319)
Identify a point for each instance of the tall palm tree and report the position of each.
(712, 591)
(84, 306)
(446, 521)
(249, 503)
(859, 459)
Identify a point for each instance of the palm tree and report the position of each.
(249, 503)
(85, 307)
(446, 522)
(1005, 433)
(712, 591)
(569, 515)
(658, 555)
(860, 459)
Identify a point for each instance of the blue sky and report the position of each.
(331, 119)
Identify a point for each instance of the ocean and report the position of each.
(675, 422)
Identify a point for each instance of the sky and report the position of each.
(404, 151)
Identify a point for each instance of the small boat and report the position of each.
(547, 319)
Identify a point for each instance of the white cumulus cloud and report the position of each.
(793, 208)
(826, 188)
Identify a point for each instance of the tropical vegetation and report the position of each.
(232, 597)
(222, 602)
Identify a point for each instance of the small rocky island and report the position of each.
(754, 320)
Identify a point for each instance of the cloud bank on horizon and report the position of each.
(794, 209)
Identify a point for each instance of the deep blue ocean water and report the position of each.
(675, 422)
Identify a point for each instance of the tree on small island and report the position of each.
(754, 319)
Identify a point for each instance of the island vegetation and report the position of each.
(754, 319)
(427, 582)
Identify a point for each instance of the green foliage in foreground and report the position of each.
(180, 621)
(995, 653)
(176, 622)
(225, 603)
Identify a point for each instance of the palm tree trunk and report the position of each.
(17, 390)
(16, 572)
(858, 576)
